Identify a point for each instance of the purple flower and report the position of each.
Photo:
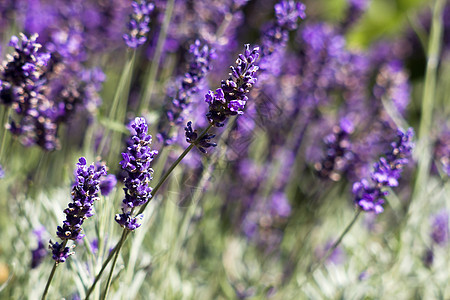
(40, 252)
(59, 254)
(440, 229)
(138, 25)
(22, 87)
(85, 191)
(280, 205)
(288, 12)
(136, 163)
(230, 99)
(199, 64)
(107, 184)
(129, 222)
(204, 142)
(387, 171)
(392, 83)
(338, 152)
(368, 197)
(428, 257)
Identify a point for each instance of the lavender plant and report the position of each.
(138, 25)
(85, 191)
(369, 195)
(283, 201)
(136, 163)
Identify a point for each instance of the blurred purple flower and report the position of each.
(439, 228)
(337, 256)
(338, 152)
(138, 25)
(107, 184)
(392, 83)
(199, 65)
(288, 12)
(442, 150)
(40, 252)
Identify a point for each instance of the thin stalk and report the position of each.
(108, 283)
(105, 264)
(5, 131)
(333, 247)
(52, 273)
(423, 148)
(153, 193)
(157, 57)
(429, 93)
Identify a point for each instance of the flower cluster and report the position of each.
(60, 253)
(230, 98)
(85, 191)
(204, 142)
(440, 233)
(76, 91)
(200, 58)
(136, 163)
(276, 34)
(386, 173)
(22, 87)
(199, 66)
(40, 252)
(263, 221)
(392, 83)
(288, 12)
(338, 152)
(138, 25)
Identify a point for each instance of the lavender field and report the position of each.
(224, 149)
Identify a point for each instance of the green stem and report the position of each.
(157, 57)
(5, 131)
(105, 264)
(108, 283)
(52, 273)
(153, 193)
(334, 246)
(172, 167)
(429, 92)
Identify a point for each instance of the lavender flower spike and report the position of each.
(136, 162)
(288, 12)
(192, 135)
(138, 25)
(230, 98)
(369, 196)
(85, 191)
(440, 233)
